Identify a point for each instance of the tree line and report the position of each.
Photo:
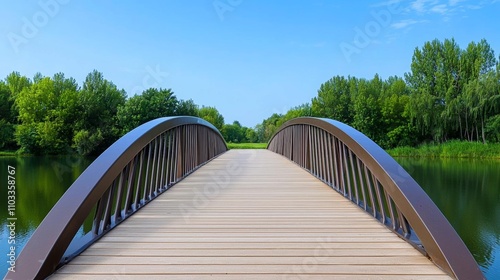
(54, 115)
(450, 93)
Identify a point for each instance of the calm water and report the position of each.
(468, 193)
(40, 182)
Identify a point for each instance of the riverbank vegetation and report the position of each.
(247, 145)
(450, 149)
(450, 94)
(54, 115)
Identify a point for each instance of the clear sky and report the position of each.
(248, 58)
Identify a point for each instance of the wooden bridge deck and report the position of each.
(250, 215)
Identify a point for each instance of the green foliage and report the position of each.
(450, 149)
(493, 128)
(99, 100)
(211, 115)
(7, 140)
(187, 108)
(235, 133)
(151, 104)
(53, 115)
(452, 90)
(27, 137)
(334, 99)
(247, 145)
(86, 143)
(449, 94)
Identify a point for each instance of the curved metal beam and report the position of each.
(43, 252)
(440, 241)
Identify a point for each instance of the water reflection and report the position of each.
(468, 194)
(40, 182)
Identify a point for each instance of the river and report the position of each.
(466, 191)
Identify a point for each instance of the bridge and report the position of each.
(168, 200)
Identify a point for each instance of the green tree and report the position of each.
(151, 104)
(303, 110)
(7, 118)
(394, 106)
(16, 83)
(334, 100)
(366, 108)
(233, 132)
(187, 108)
(211, 115)
(439, 72)
(268, 127)
(251, 135)
(97, 128)
(39, 130)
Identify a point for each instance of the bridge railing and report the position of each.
(130, 173)
(355, 166)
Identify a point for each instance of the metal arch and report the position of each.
(440, 241)
(43, 252)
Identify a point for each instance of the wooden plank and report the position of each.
(251, 215)
(292, 276)
(426, 269)
(243, 260)
(241, 252)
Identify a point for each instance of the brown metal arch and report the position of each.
(440, 241)
(43, 252)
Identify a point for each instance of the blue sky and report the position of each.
(248, 58)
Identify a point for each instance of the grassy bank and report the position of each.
(452, 149)
(246, 145)
(8, 153)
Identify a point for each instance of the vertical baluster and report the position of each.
(185, 149)
(101, 205)
(158, 153)
(404, 225)
(348, 191)
(328, 158)
(154, 170)
(336, 163)
(130, 189)
(163, 183)
(195, 148)
(361, 166)
(370, 191)
(341, 166)
(300, 147)
(321, 154)
(390, 206)
(116, 216)
(178, 154)
(352, 159)
(171, 137)
(140, 177)
(316, 153)
(378, 189)
(106, 221)
(147, 176)
(311, 150)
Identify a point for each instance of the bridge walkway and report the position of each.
(250, 214)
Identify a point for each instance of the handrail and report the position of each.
(364, 173)
(130, 173)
